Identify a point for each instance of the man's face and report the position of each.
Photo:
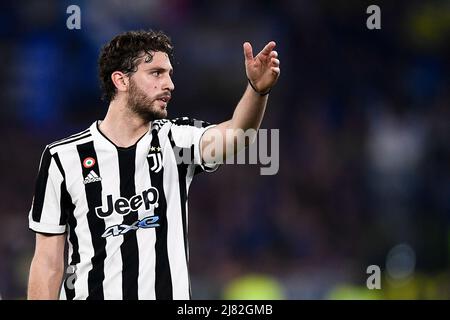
(151, 87)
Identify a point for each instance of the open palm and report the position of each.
(264, 69)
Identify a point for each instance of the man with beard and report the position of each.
(118, 190)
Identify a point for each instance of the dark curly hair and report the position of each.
(122, 53)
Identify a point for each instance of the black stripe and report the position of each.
(64, 204)
(129, 247)
(41, 185)
(96, 225)
(182, 173)
(70, 137)
(70, 141)
(163, 277)
(67, 211)
(75, 258)
(65, 199)
(59, 165)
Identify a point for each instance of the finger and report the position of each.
(268, 48)
(274, 54)
(275, 62)
(248, 52)
(276, 70)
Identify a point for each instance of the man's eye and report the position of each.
(156, 73)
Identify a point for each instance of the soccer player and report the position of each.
(118, 190)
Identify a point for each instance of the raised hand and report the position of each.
(264, 69)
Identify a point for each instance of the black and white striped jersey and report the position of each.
(124, 210)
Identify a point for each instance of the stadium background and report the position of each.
(363, 115)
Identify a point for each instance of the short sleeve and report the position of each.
(186, 134)
(45, 215)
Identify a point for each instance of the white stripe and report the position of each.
(146, 238)
(108, 162)
(51, 210)
(70, 160)
(62, 293)
(175, 240)
(69, 256)
(183, 135)
(189, 177)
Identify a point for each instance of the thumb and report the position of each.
(248, 52)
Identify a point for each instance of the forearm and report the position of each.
(230, 137)
(249, 112)
(45, 280)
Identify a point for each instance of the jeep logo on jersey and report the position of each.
(123, 206)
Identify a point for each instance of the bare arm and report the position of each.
(47, 267)
(228, 138)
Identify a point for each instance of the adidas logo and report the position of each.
(92, 177)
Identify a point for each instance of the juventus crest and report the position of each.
(155, 159)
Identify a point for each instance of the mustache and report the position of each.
(166, 95)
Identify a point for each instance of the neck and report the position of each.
(121, 126)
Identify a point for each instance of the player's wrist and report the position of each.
(261, 93)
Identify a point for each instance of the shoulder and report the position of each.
(178, 124)
(69, 142)
(187, 121)
(159, 124)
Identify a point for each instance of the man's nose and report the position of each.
(168, 84)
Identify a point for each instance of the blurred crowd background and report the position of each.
(364, 120)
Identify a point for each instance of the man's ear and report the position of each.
(120, 80)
